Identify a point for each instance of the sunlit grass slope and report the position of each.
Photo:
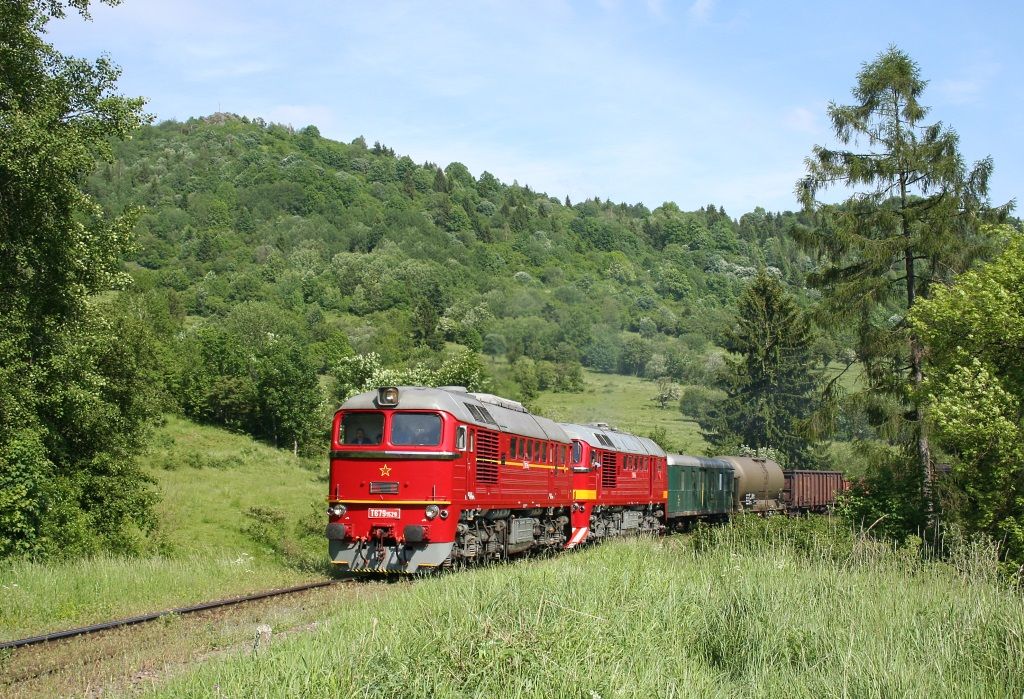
(217, 487)
(625, 402)
(747, 611)
(234, 515)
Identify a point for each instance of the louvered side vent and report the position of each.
(487, 457)
(486, 415)
(609, 473)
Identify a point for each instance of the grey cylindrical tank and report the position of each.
(759, 483)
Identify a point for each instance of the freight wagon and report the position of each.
(812, 491)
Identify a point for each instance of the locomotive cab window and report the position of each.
(361, 428)
(416, 429)
(577, 452)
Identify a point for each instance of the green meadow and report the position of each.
(624, 402)
(795, 608)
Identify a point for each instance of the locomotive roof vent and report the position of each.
(602, 425)
(500, 402)
(454, 389)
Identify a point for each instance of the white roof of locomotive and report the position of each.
(505, 415)
(621, 441)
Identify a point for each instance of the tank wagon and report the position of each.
(422, 478)
(759, 484)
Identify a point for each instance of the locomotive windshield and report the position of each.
(362, 428)
(415, 429)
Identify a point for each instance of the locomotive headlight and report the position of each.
(337, 510)
(387, 396)
(432, 511)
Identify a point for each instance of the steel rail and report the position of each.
(142, 618)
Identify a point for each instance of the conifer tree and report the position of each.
(911, 223)
(769, 381)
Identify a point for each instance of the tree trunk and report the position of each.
(924, 457)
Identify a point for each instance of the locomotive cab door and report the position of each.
(465, 442)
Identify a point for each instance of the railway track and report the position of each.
(142, 618)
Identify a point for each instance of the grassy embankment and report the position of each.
(234, 516)
(795, 608)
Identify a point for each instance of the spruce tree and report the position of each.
(769, 381)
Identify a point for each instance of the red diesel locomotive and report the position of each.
(428, 477)
(619, 483)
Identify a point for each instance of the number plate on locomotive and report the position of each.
(384, 513)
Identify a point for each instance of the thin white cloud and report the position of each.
(300, 115)
(961, 91)
(803, 120)
(972, 83)
(701, 10)
(230, 69)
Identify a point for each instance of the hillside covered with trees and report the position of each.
(253, 231)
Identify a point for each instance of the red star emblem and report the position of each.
(385, 470)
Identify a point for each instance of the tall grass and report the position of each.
(764, 611)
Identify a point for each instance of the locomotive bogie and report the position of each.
(612, 521)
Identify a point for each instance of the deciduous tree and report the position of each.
(68, 429)
(974, 390)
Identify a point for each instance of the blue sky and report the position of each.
(697, 102)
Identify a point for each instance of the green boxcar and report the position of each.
(699, 488)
